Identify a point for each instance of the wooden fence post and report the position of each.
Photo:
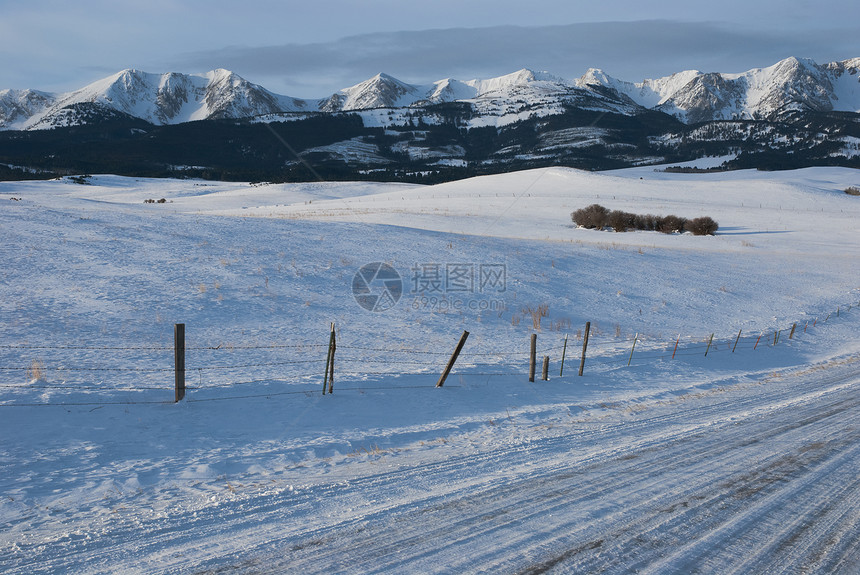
(756, 341)
(545, 374)
(584, 347)
(794, 327)
(737, 340)
(563, 353)
(677, 341)
(710, 341)
(331, 362)
(328, 359)
(179, 361)
(532, 357)
(454, 356)
(636, 337)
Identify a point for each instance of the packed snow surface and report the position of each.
(713, 428)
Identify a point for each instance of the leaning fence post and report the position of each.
(545, 373)
(563, 353)
(737, 340)
(584, 347)
(328, 358)
(179, 361)
(677, 341)
(710, 341)
(532, 356)
(794, 327)
(757, 340)
(636, 337)
(331, 363)
(454, 356)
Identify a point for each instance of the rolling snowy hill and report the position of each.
(713, 430)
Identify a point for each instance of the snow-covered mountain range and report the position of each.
(160, 99)
(790, 85)
(691, 96)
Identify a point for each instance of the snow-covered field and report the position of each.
(740, 454)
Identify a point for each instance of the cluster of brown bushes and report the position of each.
(596, 216)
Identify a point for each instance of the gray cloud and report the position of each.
(627, 50)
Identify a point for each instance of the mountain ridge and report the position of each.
(792, 84)
(793, 114)
(170, 98)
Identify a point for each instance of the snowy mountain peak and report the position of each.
(793, 84)
(223, 75)
(648, 93)
(449, 90)
(17, 106)
(526, 76)
(381, 91)
(517, 79)
(384, 91)
(595, 76)
(163, 98)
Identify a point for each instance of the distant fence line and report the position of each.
(352, 360)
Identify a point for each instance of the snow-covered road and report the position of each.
(761, 475)
(754, 478)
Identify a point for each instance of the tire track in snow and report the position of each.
(385, 548)
(713, 511)
(460, 512)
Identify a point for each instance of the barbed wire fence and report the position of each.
(201, 369)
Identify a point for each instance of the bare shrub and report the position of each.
(646, 222)
(852, 191)
(537, 314)
(621, 221)
(594, 216)
(704, 226)
(670, 224)
(36, 371)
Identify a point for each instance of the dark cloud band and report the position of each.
(627, 50)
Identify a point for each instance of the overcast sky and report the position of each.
(311, 49)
